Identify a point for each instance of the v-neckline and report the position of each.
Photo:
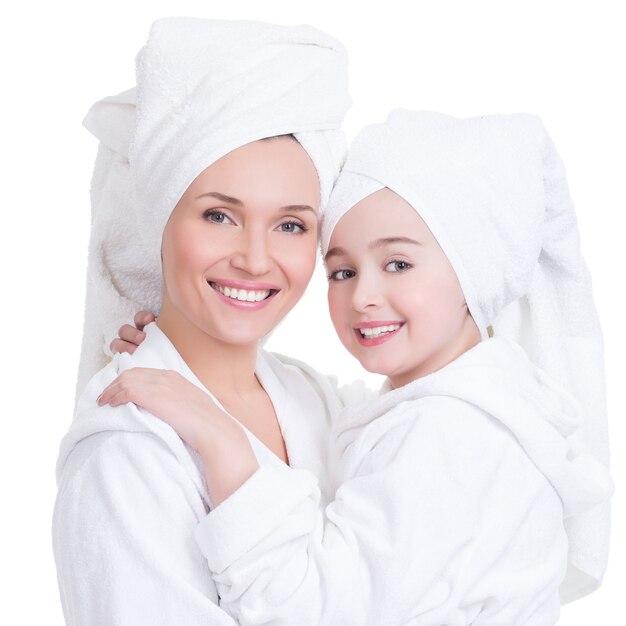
(277, 395)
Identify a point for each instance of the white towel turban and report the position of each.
(204, 88)
(494, 194)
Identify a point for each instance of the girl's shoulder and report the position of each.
(325, 386)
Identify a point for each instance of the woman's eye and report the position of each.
(397, 266)
(217, 217)
(292, 227)
(342, 275)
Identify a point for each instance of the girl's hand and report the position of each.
(170, 397)
(132, 336)
(221, 442)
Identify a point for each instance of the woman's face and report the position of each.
(240, 246)
(394, 299)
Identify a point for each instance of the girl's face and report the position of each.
(240, 246)
(394, 299)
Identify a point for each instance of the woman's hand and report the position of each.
(132, 336)
(219, 439)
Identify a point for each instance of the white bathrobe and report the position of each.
(131, 494)
(450, 508)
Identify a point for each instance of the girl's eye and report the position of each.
(216, 216)
(342, 275)
(398, 266)
(292, 227)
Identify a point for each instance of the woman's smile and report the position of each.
(246, 296)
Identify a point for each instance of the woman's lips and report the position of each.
(249, 296)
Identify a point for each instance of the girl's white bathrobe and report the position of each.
(450, 508)
(131, 494)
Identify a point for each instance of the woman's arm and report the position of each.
(123, 537)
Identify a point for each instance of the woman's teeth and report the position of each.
(243, 295)
(377, 331)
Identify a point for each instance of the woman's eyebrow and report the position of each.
(221, 197)
(385, 241)
(298, 207)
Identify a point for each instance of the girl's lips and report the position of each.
(376, 340)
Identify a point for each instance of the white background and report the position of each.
(561, 60)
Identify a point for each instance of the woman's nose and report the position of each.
(253, 254)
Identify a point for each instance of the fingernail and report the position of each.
(98, 399)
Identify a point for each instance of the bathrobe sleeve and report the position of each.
(123, 537)
(444, 520)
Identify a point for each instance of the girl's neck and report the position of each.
(225, 369)
(468, 338)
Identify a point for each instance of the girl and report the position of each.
(465, 493)
(208, 126)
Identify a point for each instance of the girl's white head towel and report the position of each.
(493, 192)
(204, 88)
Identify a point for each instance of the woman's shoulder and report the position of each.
(98, 433)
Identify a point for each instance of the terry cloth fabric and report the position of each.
(449, 510)
(131, 493)
(493, 192)
(204, 88)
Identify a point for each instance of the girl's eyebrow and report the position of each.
(336, 251)
(385, 241)
(378, 243)
(222, 197)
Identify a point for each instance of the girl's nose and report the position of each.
(367, 293)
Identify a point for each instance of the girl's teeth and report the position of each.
(371, 333)
(242, 295)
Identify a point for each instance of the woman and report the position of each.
(227, 149)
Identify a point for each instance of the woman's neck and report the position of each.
(225, 369)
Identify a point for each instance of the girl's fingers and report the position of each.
(129, 385)
(143, 318)
(131, 334)
(119, 345)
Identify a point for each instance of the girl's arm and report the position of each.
(223, 445)
(444, 520)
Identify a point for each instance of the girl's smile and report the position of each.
(375, 333)
(394, 299)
